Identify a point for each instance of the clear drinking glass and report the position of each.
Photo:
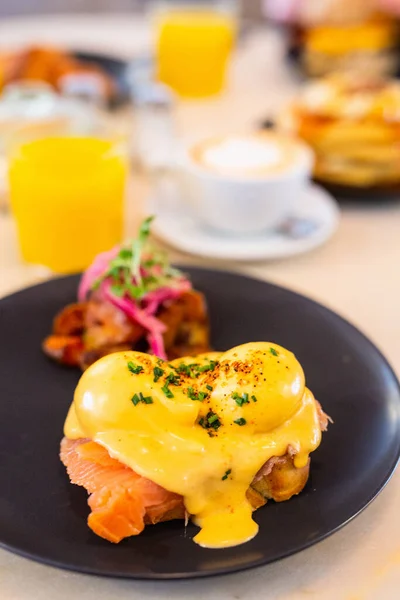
(66, 187)
(194, 41)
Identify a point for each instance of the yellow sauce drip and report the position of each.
(258, 399)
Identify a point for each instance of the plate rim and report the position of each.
(257, 563)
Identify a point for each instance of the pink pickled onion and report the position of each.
(155, 327)
(156, 344)
(94, 271)
(154, 299)
(151, 302)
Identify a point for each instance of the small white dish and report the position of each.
(312, 223)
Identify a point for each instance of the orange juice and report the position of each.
(67, 196)
(193, 47)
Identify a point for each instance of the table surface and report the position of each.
(356, 273)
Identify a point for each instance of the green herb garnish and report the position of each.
(117, 290)
(167, 391)
(188, 370)
(228, 472)
(240, 421)
(136, 369)
(254, 399)
(210, 421)
(157, 373)
(137, 249)
(209, 387)
(196, 396)
(273, 351)
(182, 369)
(138, 268)
(204, 368)
(135, 399)
(240, 400)
(172, 379)
(140, 398)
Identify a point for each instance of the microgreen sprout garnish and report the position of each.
(240, 400)
(226, 474)
(138, 268)
(137, 249)
(136, 369)
(137, 279)
(137, 398)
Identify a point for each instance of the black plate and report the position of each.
(115, 68)
(372, 193)
(43, 517)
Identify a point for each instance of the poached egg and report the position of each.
(201, 427)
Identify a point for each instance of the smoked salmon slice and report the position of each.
(121, 501)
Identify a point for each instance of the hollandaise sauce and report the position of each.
(200, 427)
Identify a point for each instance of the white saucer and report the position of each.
(314, 222)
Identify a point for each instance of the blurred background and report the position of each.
(251, 8)
(168, 87)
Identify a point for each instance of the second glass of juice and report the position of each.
(67, 197)
(194, 41)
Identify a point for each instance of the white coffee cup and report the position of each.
(245, 184)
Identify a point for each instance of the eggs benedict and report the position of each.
(211, 437)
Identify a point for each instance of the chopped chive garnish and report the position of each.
(183, 369)
(172, 379)
(228, 472)
(136, 369)
(210, 421)
(136, 399)
(240, 421)
(157, 373)
(254, 399)
(167, 391)
(194, 369)
(140, 398)
(273, 351)
(196, 396)
(204, 368)
(209, 387)
(240, 400)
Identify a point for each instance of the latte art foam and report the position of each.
(257, 155)
(244, 154)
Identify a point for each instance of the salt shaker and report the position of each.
(155, 135)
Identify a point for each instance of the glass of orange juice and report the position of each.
(194, 41)
(67, 197)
